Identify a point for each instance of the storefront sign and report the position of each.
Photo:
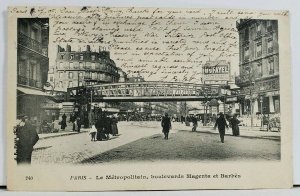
(214, 71)
(231, 99)
(273, 93)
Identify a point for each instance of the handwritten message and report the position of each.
(158, 44)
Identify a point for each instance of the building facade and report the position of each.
(78, 68)
(32, 65)
(259, 66)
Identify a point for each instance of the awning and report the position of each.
(29, 91)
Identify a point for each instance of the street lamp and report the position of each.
(251, 101)
(205, 106)
(261, 99)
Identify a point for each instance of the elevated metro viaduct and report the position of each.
(154, 91)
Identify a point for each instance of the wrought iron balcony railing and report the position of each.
(31, 43)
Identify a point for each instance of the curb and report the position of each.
(60, 135)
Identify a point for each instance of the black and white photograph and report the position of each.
(101, 86)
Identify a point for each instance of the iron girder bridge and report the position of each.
(144, 92)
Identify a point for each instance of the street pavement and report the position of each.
(143, 141)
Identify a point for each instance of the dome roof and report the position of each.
(213, 102)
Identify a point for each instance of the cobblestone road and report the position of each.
(144, 141)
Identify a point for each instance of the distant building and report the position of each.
(123, 75)
(32, 65)
(259, 65)
(78, 68)
(137, 78)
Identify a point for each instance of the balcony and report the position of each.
(242, 80)
(29, 82)
(32, 44)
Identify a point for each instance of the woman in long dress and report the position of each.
(63, 122)
(114, 127)
(235, 126)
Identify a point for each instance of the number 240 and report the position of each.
(28, 177)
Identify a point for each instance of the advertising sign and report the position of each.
(216, 71)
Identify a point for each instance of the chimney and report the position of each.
(58, 49)
(68, 48)
(88, 48)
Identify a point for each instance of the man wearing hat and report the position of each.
(27, 137)
(221, 123)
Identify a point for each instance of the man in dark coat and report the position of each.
(166, 125)
(107, 126)
(27, 137)
(63, 122)
(195, 123)
(221, 123)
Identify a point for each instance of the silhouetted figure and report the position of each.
(166, 125)
(114, 126)
(63, 122)
(27, 137)
(100, 128)
(195, 123)
(221, 123)
(235, 125)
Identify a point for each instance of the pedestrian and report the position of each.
(27, 137)
(93, 132)
(100, 128)
(78, 123)
(106, 126)
(114, 126)
(195, 123)
(63, 122)
(166, 125)
(221, 123)
(234, 122)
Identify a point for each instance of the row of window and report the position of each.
(81, 75)
(257, 30)
(81, 65)
(258, 49)
(264, 70)
(31, 30)
(81, 57)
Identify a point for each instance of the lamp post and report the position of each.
(205, 106)
(252, 99)
(261, 99)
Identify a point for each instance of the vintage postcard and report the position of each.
(105, 98)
